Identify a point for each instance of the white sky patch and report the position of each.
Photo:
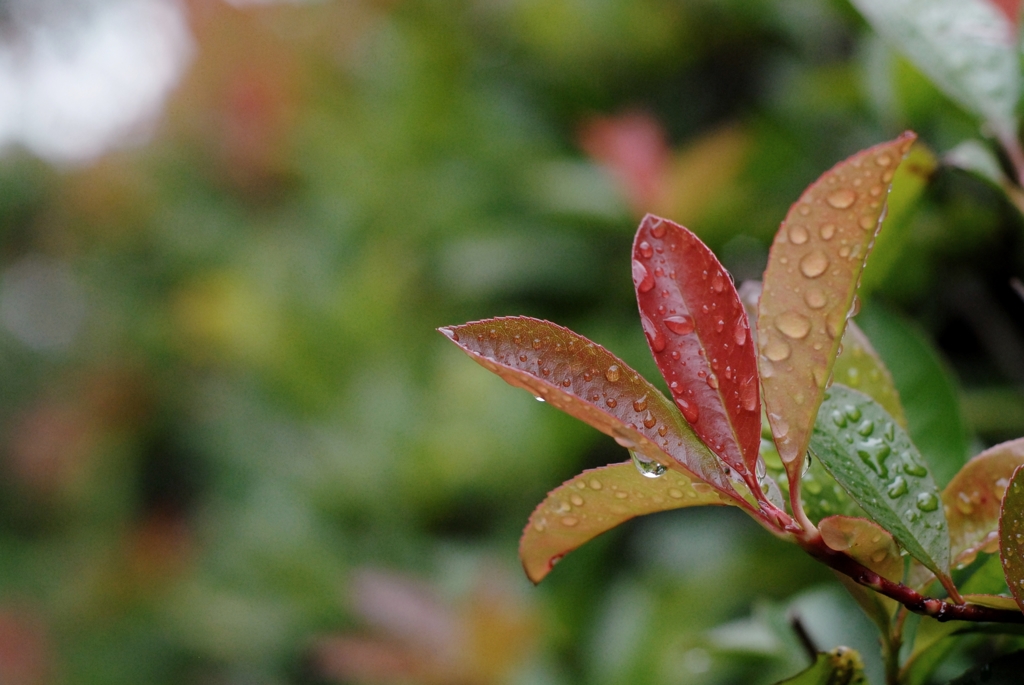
(89, 76)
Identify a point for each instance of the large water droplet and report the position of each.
(852, 412)
(897, 488)
(813, 264)
(680, 325)
(690, 411)
(739, 333)
(649, 420)
(749, 394)
(777, 349)
(612, 373)
(645, 249)
(841, 199)
(838, 418)
(798, 235)
(867, 222)
(912, 468)
(866, 428)
(815, 298)
(642, 279)
(793, 324)
(648, 467)
(570, 521)
(827, 231)
(658, 228)
(640, 404)
(611, 402)
(713, 381)
(927, 501)
(654, 335)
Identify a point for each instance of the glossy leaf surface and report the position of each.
(588, 382)
(873, 547)
(968, 48)
(1011, 536)
(973, 499)
(872, 457)
(809, 286)
(840, 666)
(596, 501)
(699, 334)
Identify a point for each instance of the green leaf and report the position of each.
(840, 666)
(907, 186)
(1011, 536)
(587, 381)
(859, 367)
(973, 499)
(596, 501)
(927, 390)
(872, 457)
(813, 268)
(968, 48)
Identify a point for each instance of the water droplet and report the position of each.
(545, 371)
(523, 357)
(611, 402)
(621, 495)
(680, 325)
(793, 324)
(879, 556)
(713, 381)
(612, 373)
(866, 428)
(640, 404)
(648, 467)
(897, 488)
(569, 521)
(887, 176)
(841, 199)
(927, 501)
(827, 231)
(576, 500)
(798, 235)
(595, 484)
(749, 395)
(718, 283)
(804, 210)
(740, 332)
(566, 382)
(720, 326)
(642, 279)
(883, 160)
(658, 228)
(649, 420)
(645, 249)
(539, 399)
(868, 222)
(662, 430)
(675, 493)
(814, 264)
(690, 411)
(654, 335)
(876, 190)
(852, 412)
(777, 350)
(838, 418)
(912, 468)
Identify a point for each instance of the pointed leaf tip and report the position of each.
(596, 501)
(809, 286)
(698, 330)
(583, 379)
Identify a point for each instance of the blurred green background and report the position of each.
(234, 450)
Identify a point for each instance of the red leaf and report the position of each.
(809, 285)
(1011, 536)
(973, 499)
(588, 382)
(596, 501)
(698, 330)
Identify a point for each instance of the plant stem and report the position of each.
(908, 597)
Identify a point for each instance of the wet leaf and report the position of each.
(588, 382)
(596, 501)
(859, 367)
(809, 286)
(973, 498)
(907, 187)
(698, 331)
(927, 389)
(968, 48)
(840, 666)
(872, 457)
(872, 546)
(822, 495)
(1011, 536)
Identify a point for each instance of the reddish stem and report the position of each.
(911, 599)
